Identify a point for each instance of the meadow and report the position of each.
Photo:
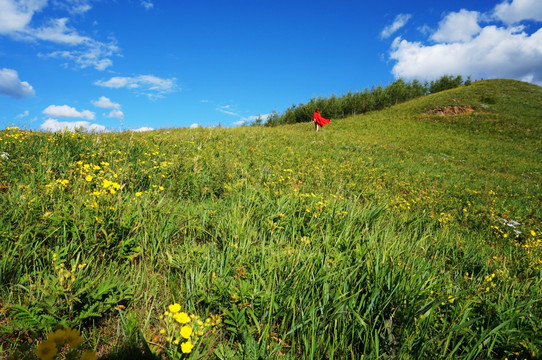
(396, 234)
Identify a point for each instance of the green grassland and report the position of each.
(397, 234)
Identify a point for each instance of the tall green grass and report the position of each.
(397, 234)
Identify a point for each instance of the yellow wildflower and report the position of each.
(73, 337)
(182, 318)
(58, 337)
(533, 233)
(187, 347)
(88, 178)
(175, 308)
(138, 194)
(88, 355)
(46, 350)
(186, 331)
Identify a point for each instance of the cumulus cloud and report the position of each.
(195, 126)
(58, 32)
(462, 46)
(68, 111)
(16, 15)
(149, 85)
(116, 114)
(11, 85)
(143, 128)
(16, 22)
(400, 21)
(105, 103)
(458, 26)
(518, 10)
(495, 52)
(53, 125)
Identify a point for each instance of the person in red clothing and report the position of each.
(319, 120)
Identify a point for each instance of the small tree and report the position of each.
(444, 83)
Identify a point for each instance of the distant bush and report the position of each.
(377, 98)
(444, 83)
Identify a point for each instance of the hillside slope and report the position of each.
(397, 234)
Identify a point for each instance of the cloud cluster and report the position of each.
(143, 128)
(54, 125)
(106, 103)
(149, 85)
(68, 112)
(11, 85)
(16, 22)
(458, 26)
(518, 10)
(462, 46)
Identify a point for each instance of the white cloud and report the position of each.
(144, 128)
(239, 123)
(518, 10)
(105, 103)
(495, 52)
(16, 22)
(149, 85)
(15, 15)
(461, 46)
(227, 109)
(147, 4)
(75, 6)
(195, 126)
(458, 26)
(93, 54)
(22, 115)
(68, 111)
(57, 31)
(53, 125)
(116, 114)
(10, 85)
(399, 22)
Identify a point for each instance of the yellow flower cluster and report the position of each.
(95, 172)
(186, 330)
(47, 350)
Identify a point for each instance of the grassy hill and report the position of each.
(413, 232)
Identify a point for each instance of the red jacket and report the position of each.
(317, 118)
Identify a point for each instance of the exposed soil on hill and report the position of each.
(451, 110)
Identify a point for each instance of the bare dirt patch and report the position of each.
(450, 110)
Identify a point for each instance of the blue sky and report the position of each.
(132, 64)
